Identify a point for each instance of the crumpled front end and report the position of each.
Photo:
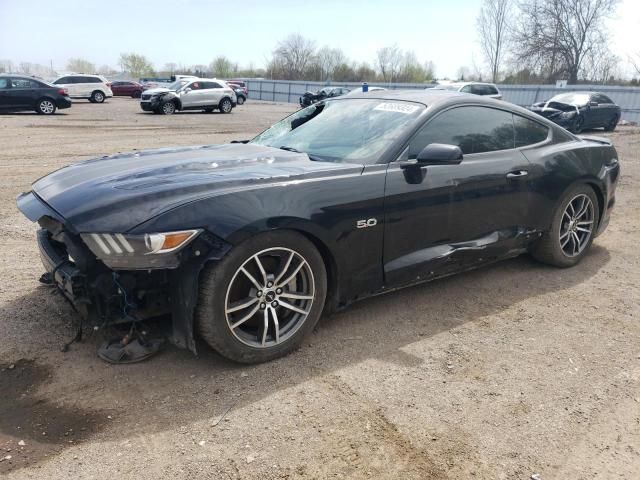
(108, 282)
(563, 114)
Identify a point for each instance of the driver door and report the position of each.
(443, 218)
(191, 95)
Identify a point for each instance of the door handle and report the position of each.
(517, 174)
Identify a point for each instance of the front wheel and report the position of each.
(225, 105)
(572, 230)
(168, 108)
(97, 97)
(46, 107)
(260, 301)
(578, 125)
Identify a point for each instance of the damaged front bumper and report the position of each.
(107, 296)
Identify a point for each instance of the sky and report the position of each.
(193, 32)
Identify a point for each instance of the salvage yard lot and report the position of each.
(504, 372)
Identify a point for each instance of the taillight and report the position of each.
(108, 84)
(63, 91)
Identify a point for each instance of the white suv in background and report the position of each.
(475, 88)
(94, 88)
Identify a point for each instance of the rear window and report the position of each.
(528, 132)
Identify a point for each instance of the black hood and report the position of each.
(116, 193)
(550, 109)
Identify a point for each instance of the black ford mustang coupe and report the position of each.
(248, 243)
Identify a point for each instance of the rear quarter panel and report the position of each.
(558, 166)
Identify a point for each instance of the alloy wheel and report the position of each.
(269, 297)
(168, 108)
(576, 225)
(226, 106)
(99, 97)
(47, 107)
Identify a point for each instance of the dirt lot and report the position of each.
(503, 373)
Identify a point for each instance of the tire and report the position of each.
(550, 248)
(224, 283)
(46, 106)
(225, 105)
(97, 97)
(167, 108)
(136, 94)
(241, 100)
(613, 123)
(578, 125)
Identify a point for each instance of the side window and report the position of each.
(215, 85)
(528, 132)
(478, 90)
(63, 80)
(23, 83)
(473, 129)
(598, 97)
(491, 90)
(196, 86)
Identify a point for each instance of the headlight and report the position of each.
(150, 250)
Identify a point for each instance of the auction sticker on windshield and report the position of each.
(397, 107)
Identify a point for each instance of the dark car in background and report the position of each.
(248, 243)
(577, 111)
(240, 91)
(20, 92)
(127, 89)
(309, 98)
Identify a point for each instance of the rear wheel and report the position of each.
(613, 123)
(46, 107)
(136, 94)
(260, 301)
(572, 230)
(225, 105)
(240, 100)
(97, 97)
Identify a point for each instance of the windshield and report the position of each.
(175, 86)
(351, 131)
(572, 98)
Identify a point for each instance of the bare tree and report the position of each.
(6, 66)
(80, 65)
(222, 67)
(634, 60)
(388, 60)
(170, 67)
(493, 28)
(556, 36)
(136, 65)
(292, 56)
(327, 60)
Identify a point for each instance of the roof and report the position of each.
(437, 98)
(426, 97)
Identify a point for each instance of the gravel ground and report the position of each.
(502, 373)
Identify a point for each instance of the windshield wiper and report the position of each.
(315, 158)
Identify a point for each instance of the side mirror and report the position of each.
(187, 90)
(593, 104)
(440, 154)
